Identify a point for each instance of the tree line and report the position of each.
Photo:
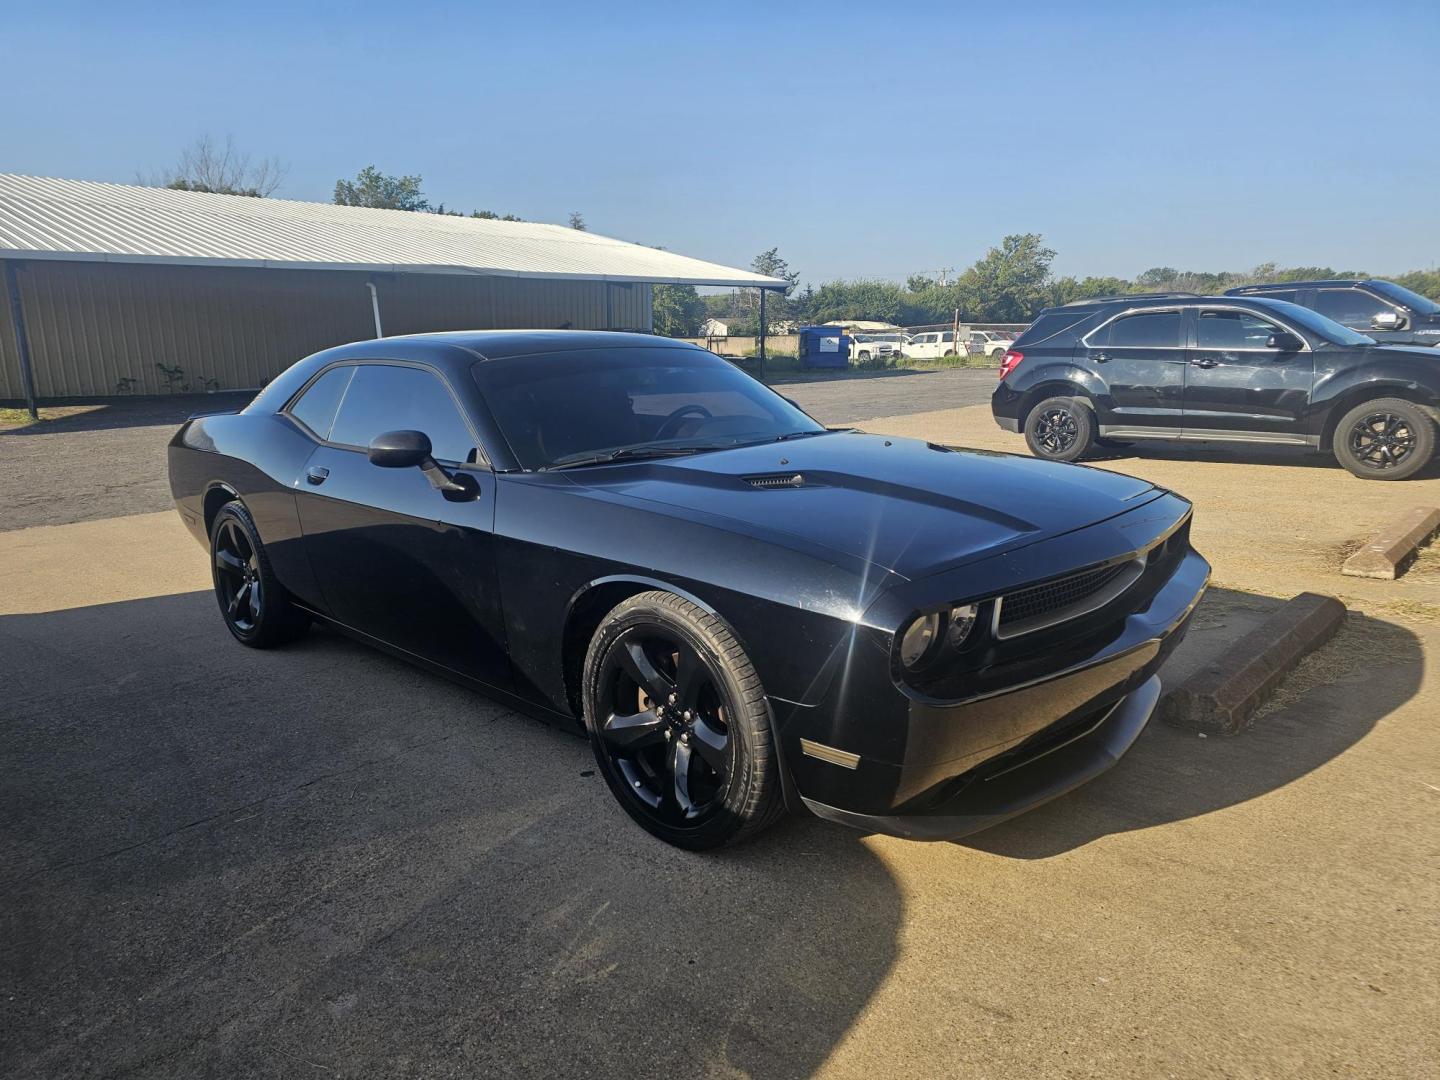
(1010, 283)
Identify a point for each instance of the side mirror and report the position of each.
(399, 449)
(1285, 342)
(1387, 320)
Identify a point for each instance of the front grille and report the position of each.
(1045, 604)
(775, 481)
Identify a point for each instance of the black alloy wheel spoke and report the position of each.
(690, 676)
(637, 663)
(633, 731)
(711, 744)
(228, 561)
(679, 762)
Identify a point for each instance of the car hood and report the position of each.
(908, 506)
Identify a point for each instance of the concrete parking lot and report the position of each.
(320, 861)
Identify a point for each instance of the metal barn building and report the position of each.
(109, 288)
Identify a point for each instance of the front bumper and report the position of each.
(1009, 423)
(1012, 789)
(964, 765)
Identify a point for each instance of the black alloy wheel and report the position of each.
(679, 723)
(1056, 431)
(1060, 429)
(664, 726)
(1386, 439)
(237, 577)
(1382, 440)
(257, 609)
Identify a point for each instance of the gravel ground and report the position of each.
(102, 463)
(320, 861)
(110, 461)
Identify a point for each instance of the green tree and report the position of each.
(375, 189)
(1066, 290)
(678, 310)
(771, 264)
(576, 221)
(1010, 284)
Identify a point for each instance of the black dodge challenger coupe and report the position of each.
(747, 612)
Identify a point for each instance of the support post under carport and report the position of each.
(762, 328)
(375, 307)
(22, 338)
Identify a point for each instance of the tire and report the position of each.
(949, 352)
(864, 357)
(693, 761)
(257, 610)
(1385, 439)
(1060, 429)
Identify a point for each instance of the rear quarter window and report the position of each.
(1047, 326)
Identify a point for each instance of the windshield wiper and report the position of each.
(630, 453)
(806, 434)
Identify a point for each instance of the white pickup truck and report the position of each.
(989, 343)
(933, 345)
(867, 347)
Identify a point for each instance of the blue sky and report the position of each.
(862, 140)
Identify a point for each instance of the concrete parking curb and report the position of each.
(1221, 697)
(1391, 549)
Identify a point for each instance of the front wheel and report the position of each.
(1060, 429)
(257, 609)
(679, 723)
(1385, 439)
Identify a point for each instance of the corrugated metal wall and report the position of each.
(93, 324)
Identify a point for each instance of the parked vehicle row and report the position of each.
(1237, 368)
(928, 345)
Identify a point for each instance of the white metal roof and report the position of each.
(43, 218)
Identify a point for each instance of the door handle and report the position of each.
(1101, 358)
(316, 474)
(1205, 362)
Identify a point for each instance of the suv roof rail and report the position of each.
(1131, 296)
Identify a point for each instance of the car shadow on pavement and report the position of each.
(1328, 704)
(106, 414)
(222, 861)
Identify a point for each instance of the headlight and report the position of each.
(924, 638)
(919, 639)
(962, 621)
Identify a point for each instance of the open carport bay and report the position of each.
(322, 861)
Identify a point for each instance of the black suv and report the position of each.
(1218, 368)
(1390, 313)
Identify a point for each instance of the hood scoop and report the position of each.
(777, 480)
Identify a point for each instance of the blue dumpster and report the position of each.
(824, 347)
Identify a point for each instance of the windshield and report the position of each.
(1315, 322)
(1421, 305)
(565, 407)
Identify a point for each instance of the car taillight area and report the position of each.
(1010, 362)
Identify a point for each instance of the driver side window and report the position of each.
(384, 398)
(1227, 328)
(1349, 307)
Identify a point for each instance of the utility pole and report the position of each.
(944, 270)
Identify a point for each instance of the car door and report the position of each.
(1139, 358)
(1238, 385)
(394, 557)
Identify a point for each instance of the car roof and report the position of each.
(1342, 282)
(1144, 300)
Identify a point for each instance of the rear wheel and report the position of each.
(679, 723)
(1060, 429)
(1385, 439)
(257, 609)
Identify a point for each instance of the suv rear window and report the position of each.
(1141, 330)
(1049, 324)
